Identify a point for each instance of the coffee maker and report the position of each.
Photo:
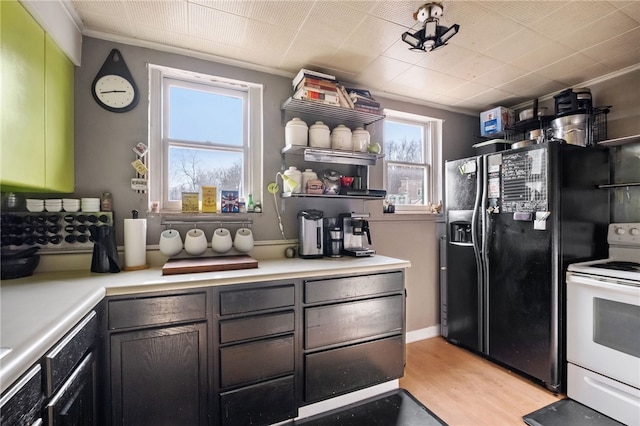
(311, 234)
(355, 227)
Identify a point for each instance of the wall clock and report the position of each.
(113, 88)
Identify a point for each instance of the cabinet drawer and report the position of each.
(256, 326)
(68, 352)
(250, 362)
(261, 404)
(154, 310)
(257, 299)
(75, 402)
(20, 404)
(350, 287)
(342, 370)
(343, 322)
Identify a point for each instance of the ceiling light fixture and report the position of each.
(431, 36)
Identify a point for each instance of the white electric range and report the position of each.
(603, 328)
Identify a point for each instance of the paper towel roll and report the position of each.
(135, 244)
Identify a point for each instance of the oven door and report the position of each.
(603, 319)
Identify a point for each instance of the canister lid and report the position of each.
(296, 122)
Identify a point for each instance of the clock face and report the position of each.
(115, 92)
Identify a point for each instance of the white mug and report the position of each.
(221, 241)
(170, 242)
(195, 243)
(243, 240)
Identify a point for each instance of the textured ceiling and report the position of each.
(506, 52)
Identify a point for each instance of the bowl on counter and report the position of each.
(18, 267)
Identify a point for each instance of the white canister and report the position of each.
(221, 241)
(341, 138)
(195, 243)
(296, 175)
(308, 175)
(296, 132)
(319, 135)
(360, 138)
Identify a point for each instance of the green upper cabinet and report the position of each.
(58, 118)
(36, 107)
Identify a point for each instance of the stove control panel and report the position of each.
(626, 234)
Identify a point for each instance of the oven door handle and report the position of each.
(624, 287)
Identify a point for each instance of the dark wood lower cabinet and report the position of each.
(159, 376)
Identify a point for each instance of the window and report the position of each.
(412, 157)
(204, 131)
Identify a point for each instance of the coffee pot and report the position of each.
(332, 237)
(105, 252)
(355, 228)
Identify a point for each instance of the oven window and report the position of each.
(616, 325)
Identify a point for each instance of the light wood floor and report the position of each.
(465, 389)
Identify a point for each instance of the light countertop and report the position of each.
(37, 311)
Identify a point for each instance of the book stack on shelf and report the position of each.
(319, 87)
(362, 100)
(316, 86)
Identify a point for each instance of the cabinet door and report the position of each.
(22, 87)
(159, 376)
(59, 133)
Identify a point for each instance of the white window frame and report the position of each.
(159, 79)
(431, 158)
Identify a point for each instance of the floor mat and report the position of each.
(568, 412)
(395, 408)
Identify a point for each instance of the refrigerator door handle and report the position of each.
(476, 222)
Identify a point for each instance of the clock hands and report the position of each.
(114, 91)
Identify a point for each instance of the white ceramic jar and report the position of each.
(221, 241)
(361, 139)
(243, 241)
(170, 242)
(195, 243)
(308, 175)
(296, 175)
(319, 135)
(296, 132)
(341, 138)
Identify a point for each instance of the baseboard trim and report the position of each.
(423, 333)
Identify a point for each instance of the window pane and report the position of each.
(403, 142)
(405, 184)
(190, 168)
(200, 116)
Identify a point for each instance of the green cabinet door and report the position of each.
(58, 116)
(22, 140)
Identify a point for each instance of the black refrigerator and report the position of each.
(515, 220)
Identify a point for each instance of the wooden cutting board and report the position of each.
(208, 264)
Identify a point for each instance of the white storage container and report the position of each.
(360, 138)
(296, 132)
(319, 135)
(296, 175)
(308, 175)
(341, 138)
